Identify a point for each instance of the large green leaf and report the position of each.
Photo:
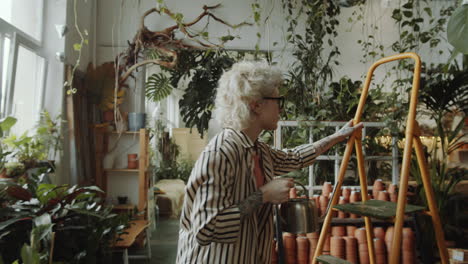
(10, 222)
(6, 124)
(29, 255)
(158, 86)
(457, 29)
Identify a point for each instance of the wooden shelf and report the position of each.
(128, 170)
(125, 132)
(124, 207)
(141, 172)
(121, 170)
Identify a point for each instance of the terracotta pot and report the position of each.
(132, 161)
(108, 116)
(326, 245)
(379, 232)
(408, 239)
(346, 192)
(389, 239)
(323, 202)
(289, 244)
(327, 188)
(378, 186)
(363, 254)
(379, 246)
(338, 231)
(350, 229)
(337, 247)
(360, 235)
(383, 196)
(342, 214)
(302, 244)
(351, 249)
(355, 197)
(292, 193)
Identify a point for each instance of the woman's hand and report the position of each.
(347, 130)
(277, 190)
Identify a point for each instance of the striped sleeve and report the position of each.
(288, 160)
(215, 217)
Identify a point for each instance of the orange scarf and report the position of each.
(259, 176)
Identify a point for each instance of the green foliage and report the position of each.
(457, 29)
(198, 101)
(201, 70)
(170, 166)
(14, 169)
(84, 227)
(26, 149)
(48, 132)
(174, 170)
(5, 125)
(158, 87)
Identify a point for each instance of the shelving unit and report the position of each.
(102, 138)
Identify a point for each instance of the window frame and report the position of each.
(17, 38)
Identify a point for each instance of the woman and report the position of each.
(227, 213)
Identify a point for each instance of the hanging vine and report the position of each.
(313, 69)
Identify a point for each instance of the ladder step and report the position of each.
(331, 260)
(376, 208)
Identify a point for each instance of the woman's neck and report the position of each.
(252, 132)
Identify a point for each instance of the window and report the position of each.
(22, 67)
(25, 15)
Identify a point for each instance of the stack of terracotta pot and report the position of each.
(350, 195)
(346, 242)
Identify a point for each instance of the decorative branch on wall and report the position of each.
(166, 43)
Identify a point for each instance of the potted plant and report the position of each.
(48, 133)
(75, 218)
(26, 149)
(14, 169)
(5, 125)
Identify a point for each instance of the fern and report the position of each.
(158, 87)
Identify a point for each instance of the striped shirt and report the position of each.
(211, 229)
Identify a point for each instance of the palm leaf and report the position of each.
(158, 87)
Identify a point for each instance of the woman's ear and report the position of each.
(254, 107)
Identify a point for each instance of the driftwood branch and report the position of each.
(164, 42)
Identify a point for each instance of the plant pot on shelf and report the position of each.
(132, 161)
(122, 199)
(108, 116)
(136, 121)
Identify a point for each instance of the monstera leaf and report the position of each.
(457, 29)
(158, 87)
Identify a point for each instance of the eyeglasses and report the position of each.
(280, 100)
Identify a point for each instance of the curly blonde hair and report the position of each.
(246, 81)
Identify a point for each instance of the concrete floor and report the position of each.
(163, 244)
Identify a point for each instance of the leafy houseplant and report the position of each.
(5, 126)
(444, 94)
(48, 132)
(75, 218)
(26, 149)
(203, 69)
(14, 169)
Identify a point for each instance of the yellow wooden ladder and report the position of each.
(412, 134)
